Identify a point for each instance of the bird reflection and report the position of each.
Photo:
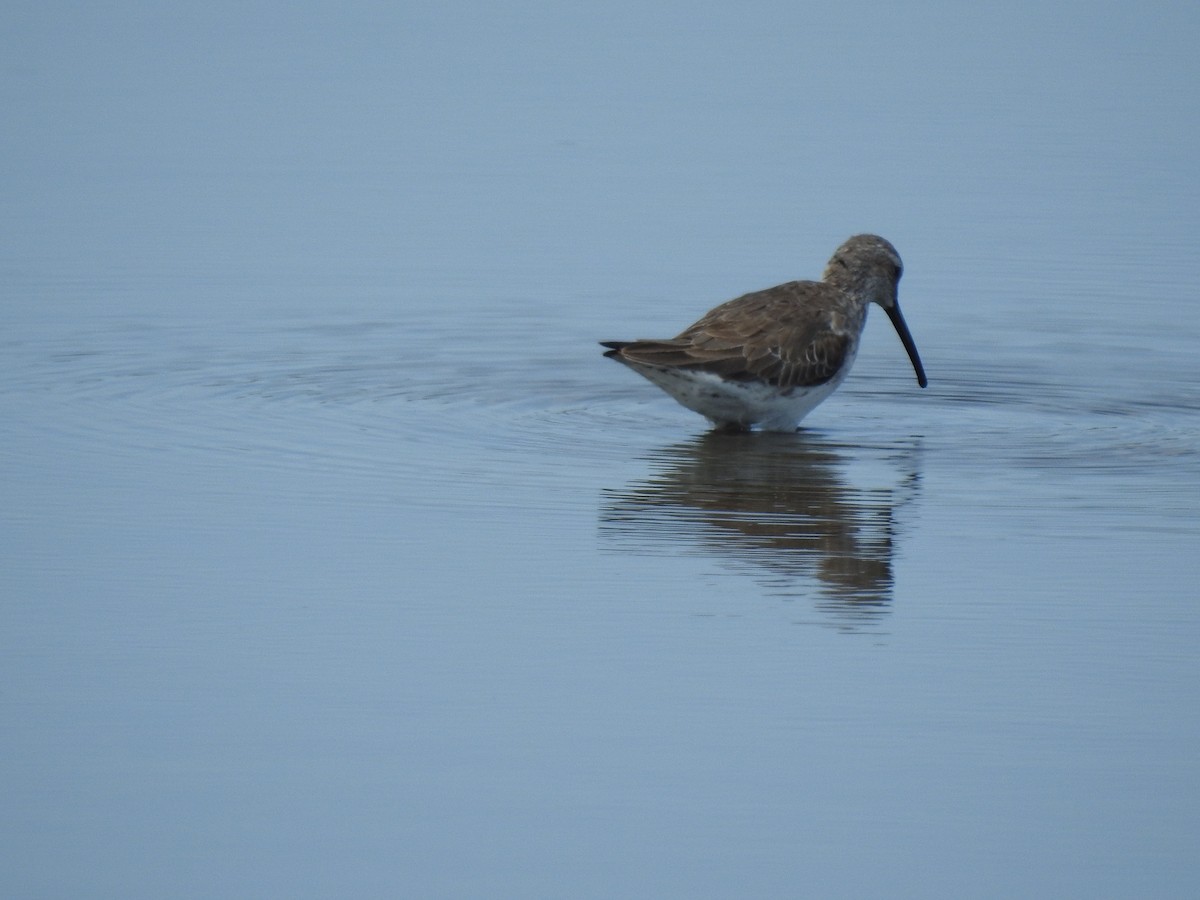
(777, 506)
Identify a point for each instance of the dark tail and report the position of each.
(614, 347)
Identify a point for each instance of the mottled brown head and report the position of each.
(868, 267)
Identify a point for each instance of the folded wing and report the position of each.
(779, 336)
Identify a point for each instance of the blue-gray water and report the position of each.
(336, 561)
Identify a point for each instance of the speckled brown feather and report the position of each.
(787, 336)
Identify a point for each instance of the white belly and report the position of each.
(742, 403)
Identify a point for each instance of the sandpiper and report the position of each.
(768, 358)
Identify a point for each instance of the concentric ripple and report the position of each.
(418, 397)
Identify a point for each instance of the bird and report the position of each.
(768, 358)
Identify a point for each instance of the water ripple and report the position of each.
(383, 396)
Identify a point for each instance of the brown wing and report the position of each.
(783, 335)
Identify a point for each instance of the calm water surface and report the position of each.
(337, 561)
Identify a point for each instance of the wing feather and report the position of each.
(785, 336)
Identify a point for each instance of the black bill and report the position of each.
(906, 339)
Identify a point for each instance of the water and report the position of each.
(337, 561)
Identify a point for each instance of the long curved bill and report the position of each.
(893, 313)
